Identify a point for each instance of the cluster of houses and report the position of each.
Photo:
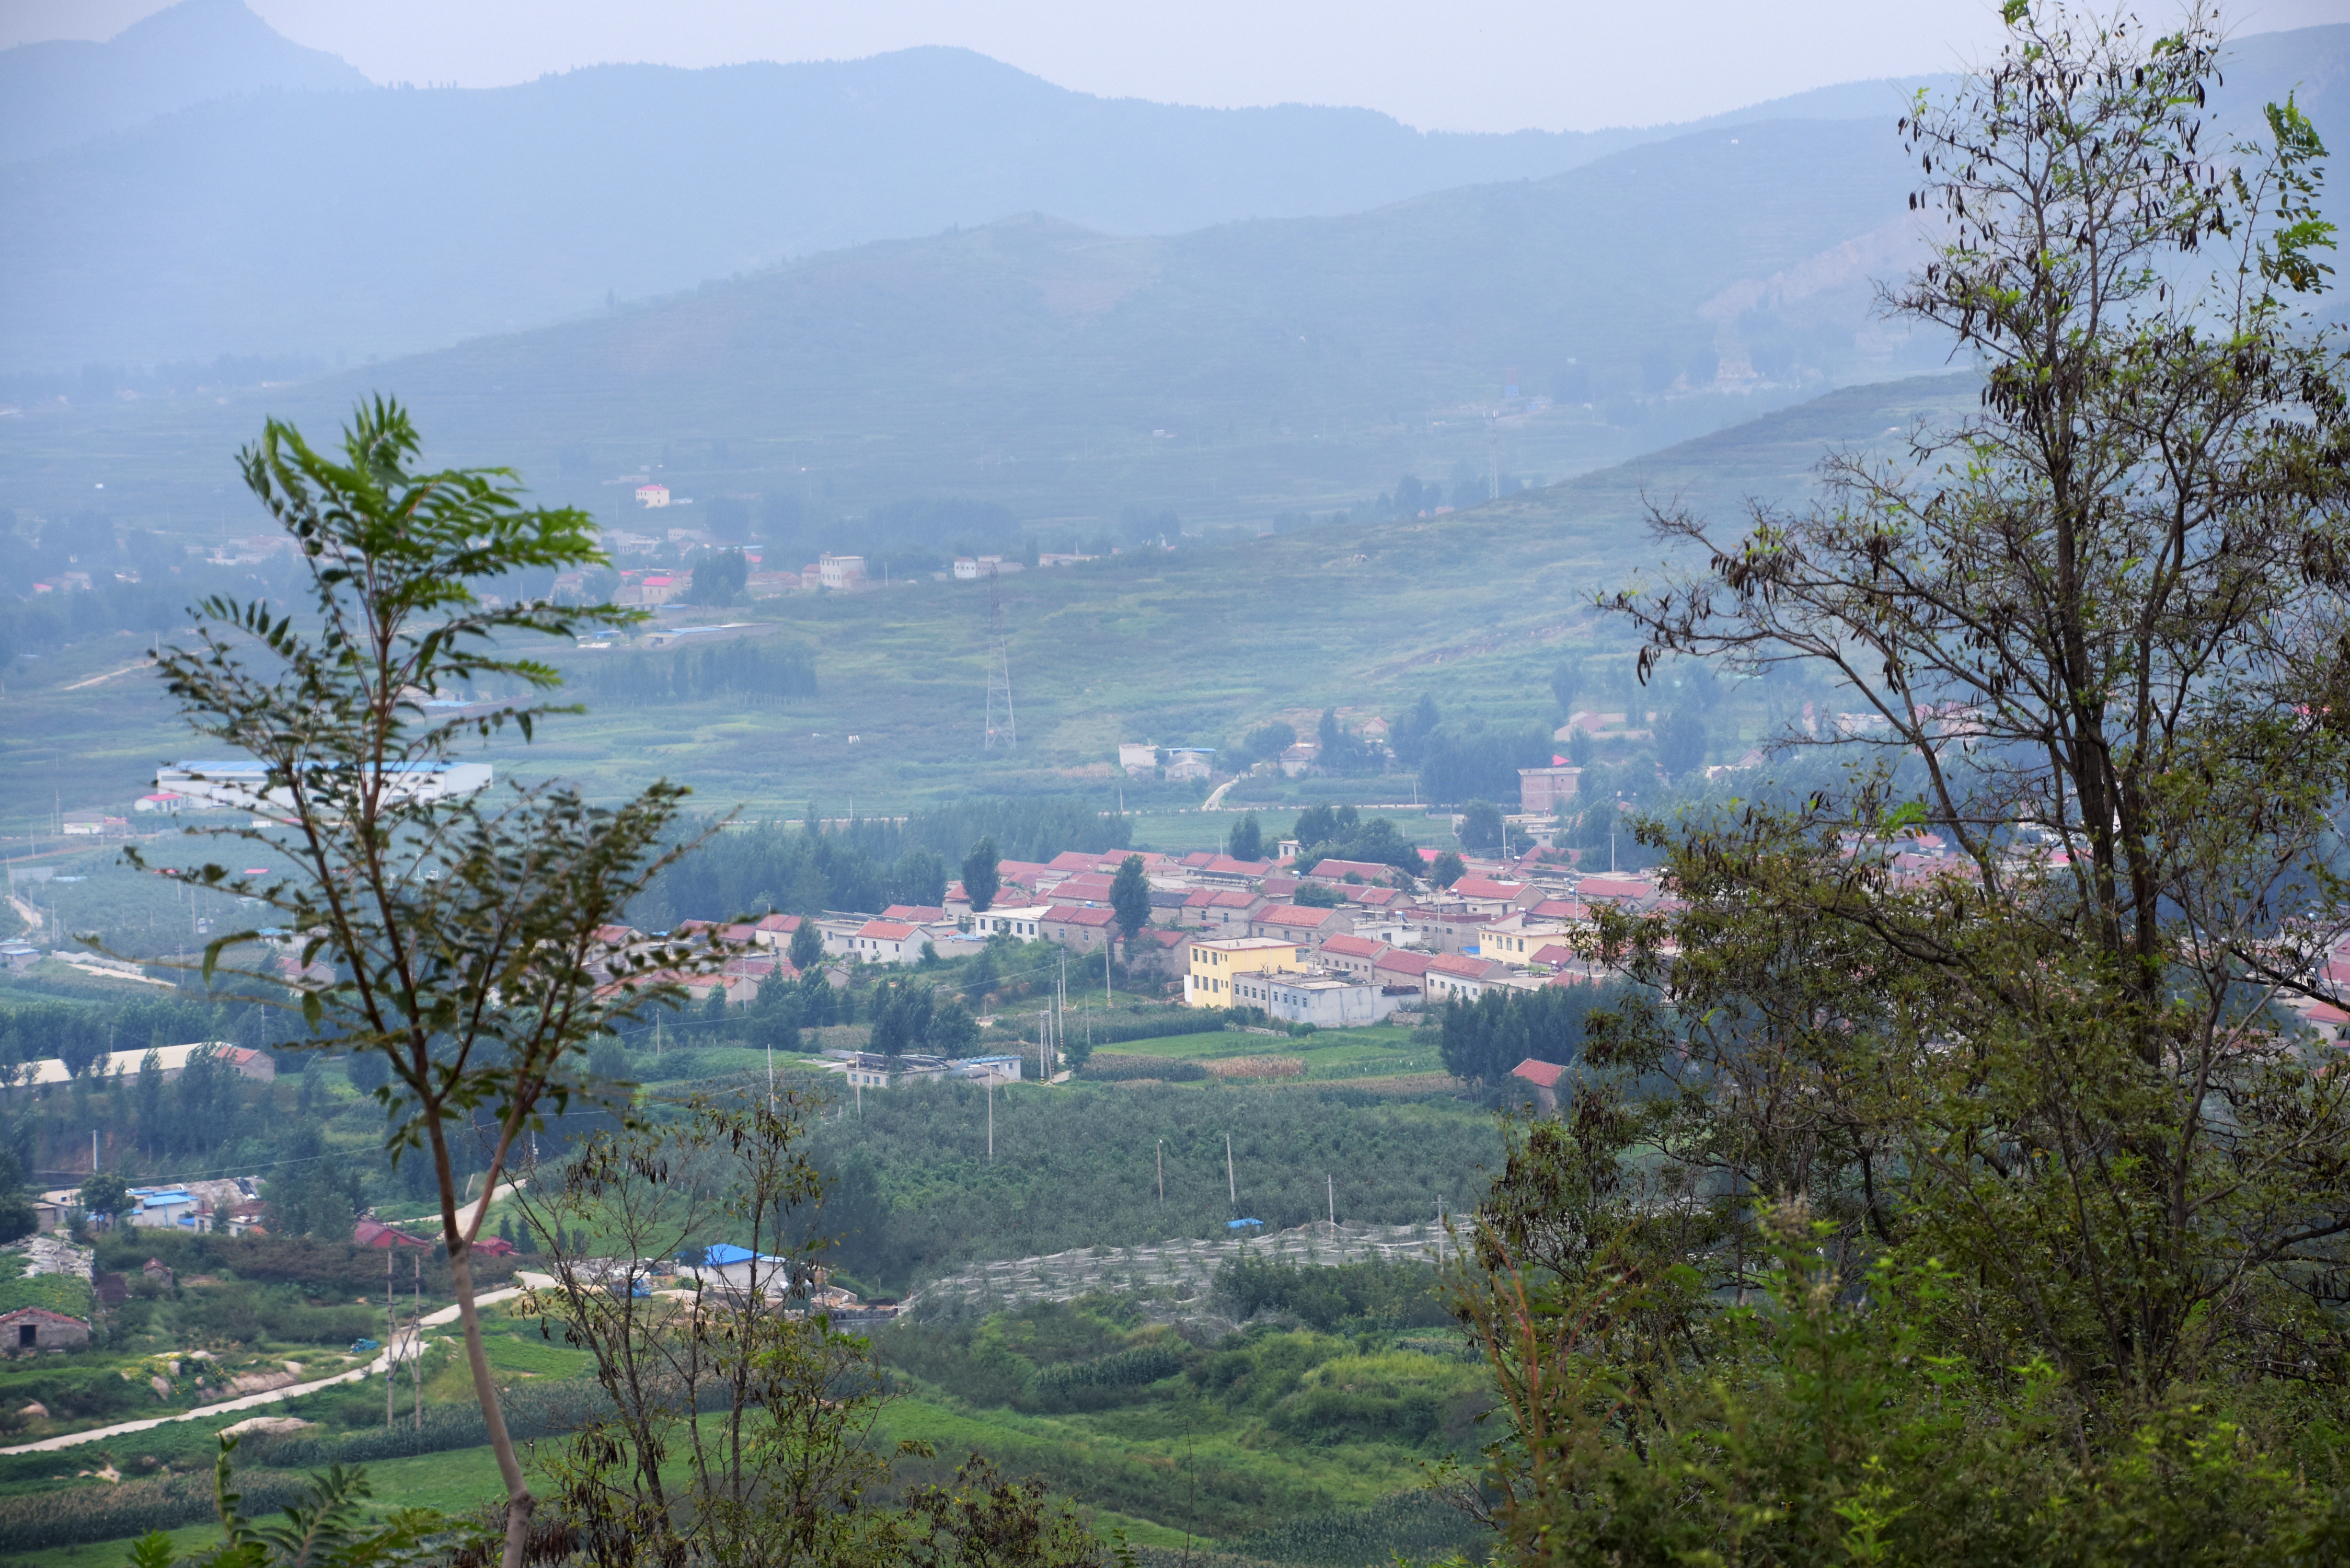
(1366, 944)
(230, 1204)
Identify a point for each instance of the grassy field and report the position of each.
(1327, 1056)
(1188, 646)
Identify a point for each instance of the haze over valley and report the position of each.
(1165, 834)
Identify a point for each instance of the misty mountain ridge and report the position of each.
(1242, 369)
(516, 206)
(59, 92)
(156, 244)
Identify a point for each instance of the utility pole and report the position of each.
(991, 1119)
(416, 1334)
(1232, 1186)
(391, 1343)
(1333, 1184)
(1162, 1173)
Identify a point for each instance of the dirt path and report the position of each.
(398, 1351)
(96, 680)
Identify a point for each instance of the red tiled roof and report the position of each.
(780, 923)
(1336, 870)
(1545, 1074)
(1076, 915)
(1070, 860)
(1460, 964)
(1554, 955)
(1486, 888)
(885, 930)
(1292, 915)
(1401, 960)
(1559, 909)
(24, 1314)
(921, 914)
(1376, 896)
(1354, 947)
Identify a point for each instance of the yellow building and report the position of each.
(1215, 965)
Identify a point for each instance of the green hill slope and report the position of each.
(1189, 646)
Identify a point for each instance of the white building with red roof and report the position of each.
(774, 930)
(1308, 928)
(887, 941)
(1451, 977)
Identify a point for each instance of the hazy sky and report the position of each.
(1469, 65)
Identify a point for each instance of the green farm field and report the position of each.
(1327, 1056)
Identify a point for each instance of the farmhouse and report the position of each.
(38, 1328)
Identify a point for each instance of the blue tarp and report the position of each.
(1236, 1224)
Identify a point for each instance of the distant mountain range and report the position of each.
(1226, 373)
(229, 218)
(1007, 350)
(53, 95)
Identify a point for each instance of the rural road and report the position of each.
(446, 1316)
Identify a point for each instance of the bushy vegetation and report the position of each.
(1484, 1040)
(1337, 1296)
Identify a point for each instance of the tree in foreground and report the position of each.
(460, 929)
(2031, 1192)
(743, 1424)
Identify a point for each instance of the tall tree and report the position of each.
(1247, 840)
(806, 950)
(2042, 1110)
(1130, 898)
(981, 882)
(478, 989)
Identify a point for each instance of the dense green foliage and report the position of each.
(1484, 1039)
(1980, 1208)
(1336, 1296)
(1340, 833)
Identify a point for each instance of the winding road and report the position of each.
(397, 1351)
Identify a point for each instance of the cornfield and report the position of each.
(1257, 1067)
(108, 1513)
